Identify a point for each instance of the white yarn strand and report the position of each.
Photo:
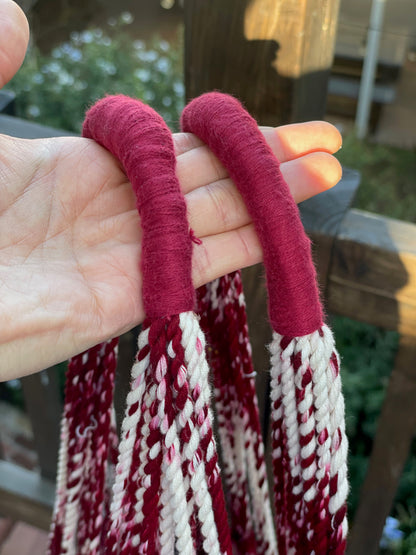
(193, 341)
(128, 437)
(263, 518)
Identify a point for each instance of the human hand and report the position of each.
(70, 234)
(14, 36)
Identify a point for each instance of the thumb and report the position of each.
(14, 37)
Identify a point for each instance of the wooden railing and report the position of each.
(367, 269)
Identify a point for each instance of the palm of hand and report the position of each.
(71, 232)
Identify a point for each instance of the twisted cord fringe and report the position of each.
(309, 444)
(223, 318)
(86, 428)
(203, 468)
(167, 493)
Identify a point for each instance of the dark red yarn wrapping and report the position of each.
(232, 134)
(140, 139)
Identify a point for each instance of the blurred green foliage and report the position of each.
(387, 177)
(387, 187)
(367, 355)
(56, 89)
(407, 519)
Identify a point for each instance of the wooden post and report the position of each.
(395, 431)
(275, 55)
(44, 408)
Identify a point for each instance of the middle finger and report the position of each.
(218, 206)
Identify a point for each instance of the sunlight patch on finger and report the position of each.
(311, 174)
(197, 166)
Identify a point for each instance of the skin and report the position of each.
(70, 237)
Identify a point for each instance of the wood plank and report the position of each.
(260, 336)
(394, 434)
(322, 216)
(44, 408)
(275, 55)
(6, 525)
(25, 540)
(373, 272)
(25, 495)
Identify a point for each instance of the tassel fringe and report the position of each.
(309, 443)
(87, 429)
(167, 493)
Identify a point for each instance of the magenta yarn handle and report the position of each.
(136, 135)
(233, 135)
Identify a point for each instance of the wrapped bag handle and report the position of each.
(139, 138)
(167, 492)
(233, 135)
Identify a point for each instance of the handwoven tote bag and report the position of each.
(159, 489)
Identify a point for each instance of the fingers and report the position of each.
(197, 166)
(14, 36)
(297, 139)
(224, 253)
(218, 216)
(311, 174)
(218, 207)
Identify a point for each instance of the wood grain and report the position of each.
(274, 55)
(373, 272)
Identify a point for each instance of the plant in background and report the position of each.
(56, 89)
(407, 519)
(387, 177)
(367, 356)
(392, 535)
